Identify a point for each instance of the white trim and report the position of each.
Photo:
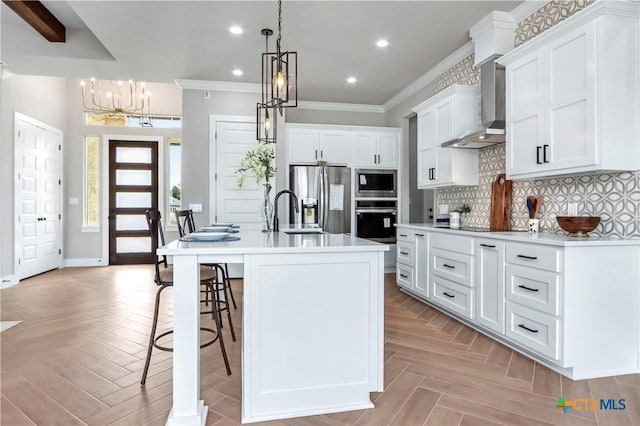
(105, 182)
(8, 281)
(90, 229)
(430, 75)
(213, 122)
(526, 9)
(81, 263)
(221, 86)
(16, 195)
(338, 106)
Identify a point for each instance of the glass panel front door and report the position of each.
(133, 188)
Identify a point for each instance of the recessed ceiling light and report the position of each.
(382, 43)
(237, 72)
(351, 80)
(236, 30)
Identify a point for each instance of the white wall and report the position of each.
(300, 115)
(42, 98)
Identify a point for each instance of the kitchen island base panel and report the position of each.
(198, 419)
(312, 333)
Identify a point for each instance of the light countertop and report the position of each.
(257, 242)
(524, 236)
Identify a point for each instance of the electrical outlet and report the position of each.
(444, 209)
(572, 209)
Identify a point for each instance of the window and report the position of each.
(175, 173)
(121, 120)
(91, 219)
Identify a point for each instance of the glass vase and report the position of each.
(266, 209)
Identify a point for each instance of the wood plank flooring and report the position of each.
(78, 356)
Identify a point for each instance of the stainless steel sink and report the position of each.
(296, 231)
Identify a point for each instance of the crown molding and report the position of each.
(430, 75)
(222, 86)
(337, 106)
(525, 9)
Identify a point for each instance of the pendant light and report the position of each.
(267, 120)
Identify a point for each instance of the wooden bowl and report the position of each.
(578, 226)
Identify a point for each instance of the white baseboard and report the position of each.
(8, 281)
(79, 263)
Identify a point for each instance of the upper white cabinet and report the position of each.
(573, 96)
(312, 144)
(442, 117)
(356, 146)
(377, 148)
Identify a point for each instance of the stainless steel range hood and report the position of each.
(492, 100)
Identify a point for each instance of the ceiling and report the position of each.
(166, 40)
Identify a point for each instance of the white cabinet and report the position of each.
(572, 305)
(309, 145)
(443, 117)
(376, 149)
(490, 284)
(412, 261)
(451, 275)
(572, 96)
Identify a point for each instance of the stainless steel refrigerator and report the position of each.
(324, 197)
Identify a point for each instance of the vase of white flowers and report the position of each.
(258, 162)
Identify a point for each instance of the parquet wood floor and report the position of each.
(78, 356)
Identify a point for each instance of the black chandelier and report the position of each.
(279, 84)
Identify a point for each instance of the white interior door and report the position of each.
(38, 239)
(233, 204)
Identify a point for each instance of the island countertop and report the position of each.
(257, 242)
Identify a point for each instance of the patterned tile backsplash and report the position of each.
(615, 197)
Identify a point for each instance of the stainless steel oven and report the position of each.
(376, 183)
(375, 220)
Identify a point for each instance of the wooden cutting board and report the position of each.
(500, 213)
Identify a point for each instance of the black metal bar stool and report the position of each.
(164, 278)
(186, 225)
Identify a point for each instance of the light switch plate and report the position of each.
(196, 208)
(572, 209)
(73, 201)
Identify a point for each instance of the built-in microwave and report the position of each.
(376, 183)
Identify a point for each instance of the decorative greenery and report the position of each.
(258, 162)
(465, 208)
(175, 192)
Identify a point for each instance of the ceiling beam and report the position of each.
(38, 16)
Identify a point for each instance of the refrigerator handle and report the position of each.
(321, 197)
(325, 204)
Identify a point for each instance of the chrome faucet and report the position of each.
(294, 200)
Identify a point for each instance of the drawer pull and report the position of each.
(403, 235)
(420, 235)
(487, 245)
(404, 252)
(528, 288)
(448, 295)
(527, 328)
(404, 276)
(524, 256)
(448, 266)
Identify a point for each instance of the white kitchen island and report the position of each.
(312, 333)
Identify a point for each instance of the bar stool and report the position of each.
(164, 278)
(186, 225)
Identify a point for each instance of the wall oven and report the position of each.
(376, 183)
(375, 220)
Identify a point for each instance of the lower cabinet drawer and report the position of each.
(534, 256)
(534, 329)
(452, 266)
(534, 288)
(405, 253)
(452, 296)
(404, 276)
